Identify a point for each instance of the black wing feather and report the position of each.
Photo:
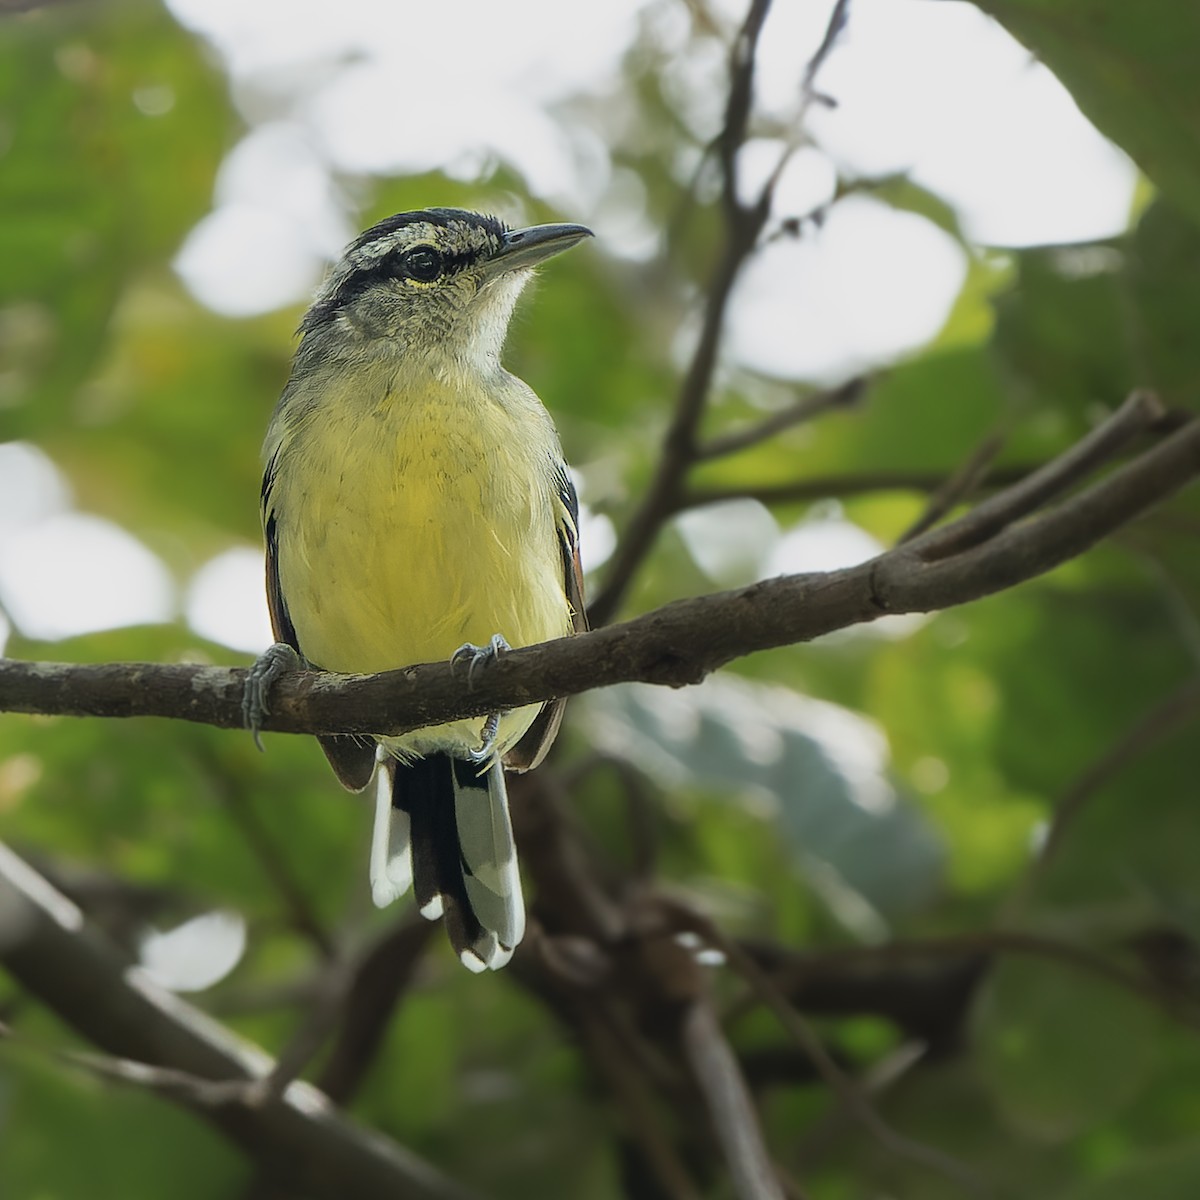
(539, 737)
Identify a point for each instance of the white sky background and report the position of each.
(934, 89)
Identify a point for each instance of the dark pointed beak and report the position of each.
(524, 248)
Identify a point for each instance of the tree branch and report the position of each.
(845, 1088)
(958, 487)
(841, 485)
(742, 227)
(383, 974)
(804, 409)
(1140, 412)
(744, 224)
(897, 979)
(680, 643)
(732, 1111)
(163, 1042)
(1160, 722)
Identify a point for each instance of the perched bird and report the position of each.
(417, 507)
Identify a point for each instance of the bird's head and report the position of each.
(440, 282)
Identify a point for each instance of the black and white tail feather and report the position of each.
(442, 827)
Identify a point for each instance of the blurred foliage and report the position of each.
(1131, 69)
(1061, 1084)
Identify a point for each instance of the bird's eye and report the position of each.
(423, 264)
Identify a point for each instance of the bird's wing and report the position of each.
(281, 622)
(532, 748)
(352, 758)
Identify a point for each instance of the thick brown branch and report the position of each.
(925, 985)
(299, 1138)
(677, 644)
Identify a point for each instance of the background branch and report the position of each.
(297, 1138)
(842, 485)
(742, 227)
(807, 408)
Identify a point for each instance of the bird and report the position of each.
(416, 507)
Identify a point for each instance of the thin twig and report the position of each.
(878, 1079)
(319, 1020)
(805, 409)
(1179, 608)
(242, 812)
(846, 1090)
(382, 975)
(1137, 414)
(738, 105)
(957, 488)
(834, 29)
(840, 486)
(168, 1082)
(742, 227)
(643, 1121)
(1170, 714)
(729, 1104)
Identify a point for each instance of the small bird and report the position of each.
(416, 507)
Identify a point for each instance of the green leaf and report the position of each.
(113, 129)
(1085, 325)
(819, 772)
(1132, 69)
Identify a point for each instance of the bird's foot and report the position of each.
(476, 658)
(274, 661)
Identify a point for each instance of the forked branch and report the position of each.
(1002, 542)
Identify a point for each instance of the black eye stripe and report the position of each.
(397, 264)
(393, 266)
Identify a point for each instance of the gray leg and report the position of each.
(490, 728)
(276, 660)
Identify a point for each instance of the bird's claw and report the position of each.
(491, 727)
(274, 661)
(476, 658)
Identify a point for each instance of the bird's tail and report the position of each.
(442, 825)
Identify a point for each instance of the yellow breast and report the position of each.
(412, 520)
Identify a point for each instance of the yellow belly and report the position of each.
(411, 526)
